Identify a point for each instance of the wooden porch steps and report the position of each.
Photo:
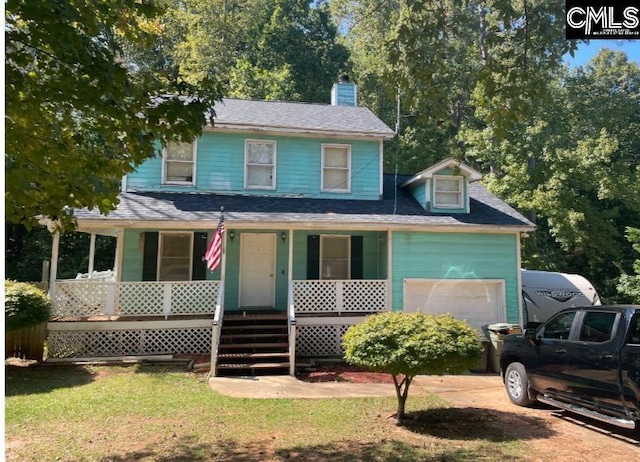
(253, 344)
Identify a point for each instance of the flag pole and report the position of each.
(223, 263)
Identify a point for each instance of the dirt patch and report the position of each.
(479, 405)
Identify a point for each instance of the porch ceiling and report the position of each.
(397, 209)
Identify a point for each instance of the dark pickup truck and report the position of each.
(584, 360)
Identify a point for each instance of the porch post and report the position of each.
(92, 253)
(117, 264)
(389, 270)
(53, 273)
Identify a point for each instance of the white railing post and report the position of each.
(216, 328)
(111, 299)
(339, 288)
(166, 305)
(291, 324)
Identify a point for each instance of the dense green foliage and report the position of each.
(258, 49)
(79, 115)
(26, 250)
(630, 283)
(405, 345)
(24, 305)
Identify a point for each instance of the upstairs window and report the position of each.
(334, 257)
(260, 164)
(179, 163)
(447, 192)
(174, 262)
(336, 168)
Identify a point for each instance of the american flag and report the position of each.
(213, 255)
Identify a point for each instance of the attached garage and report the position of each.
(478, 301)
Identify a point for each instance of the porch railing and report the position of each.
(216, 330)
(292, 328)
(86, 298)
(340, 296)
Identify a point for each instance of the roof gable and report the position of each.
(449, 163)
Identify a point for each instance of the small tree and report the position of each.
(405, 345)
(24, 305)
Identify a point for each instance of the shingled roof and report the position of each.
(397, 208)
(320, 119)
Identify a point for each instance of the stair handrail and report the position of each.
(291, 328)
(216, 328)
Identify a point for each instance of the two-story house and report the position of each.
(315, 236)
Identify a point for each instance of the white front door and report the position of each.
(257, 270)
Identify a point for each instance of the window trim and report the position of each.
(321, 254)
(347, 189)
(161, 235)
(273, 164)
(460, 191)
(194, 152)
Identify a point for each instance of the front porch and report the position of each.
(94, 318)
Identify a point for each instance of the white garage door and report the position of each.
(478, 301)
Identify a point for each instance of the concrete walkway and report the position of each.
(289, 387)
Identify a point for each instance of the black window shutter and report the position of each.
(357, 267)
(150, 257)
(199, 266)
(313, 257)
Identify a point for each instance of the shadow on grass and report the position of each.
(343, 451)
(477, 424)
(34, 379)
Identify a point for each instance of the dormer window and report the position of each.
(448, 192)
(336, 168)
(260, 164)
(179, 163)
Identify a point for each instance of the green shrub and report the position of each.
(24, 305)
(405, 345)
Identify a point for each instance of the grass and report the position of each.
(154, 413)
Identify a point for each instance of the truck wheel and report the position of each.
(517, 384)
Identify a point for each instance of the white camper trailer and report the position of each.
(545, 293)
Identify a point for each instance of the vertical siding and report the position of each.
(457, 256)
(220, 167)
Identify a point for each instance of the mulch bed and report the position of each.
(344, 373)
(333, 372)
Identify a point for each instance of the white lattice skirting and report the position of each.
(320, 340)
(89, 342)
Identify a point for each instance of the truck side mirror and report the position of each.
(530, 334)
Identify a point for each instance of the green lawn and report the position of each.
(154, 413)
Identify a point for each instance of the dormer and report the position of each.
(444, 187)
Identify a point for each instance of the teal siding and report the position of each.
(345, 94)
(456, 256)
(419, 192)
(220, 167)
